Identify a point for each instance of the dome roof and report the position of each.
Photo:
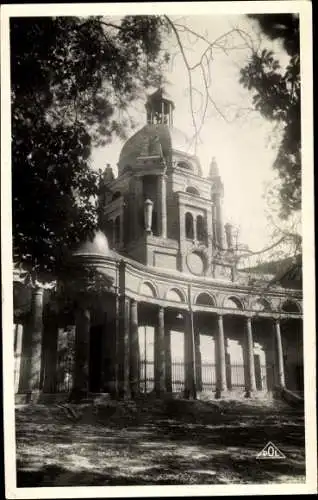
(96, 246)
(154, 139)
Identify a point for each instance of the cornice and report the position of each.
(176, 277)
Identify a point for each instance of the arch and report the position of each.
(185, 164)
(261, 304)
(175, 295)
(290, 306)
(147, 288)
(232, 303)
(201, 233)
(205, 299)
(189, 226)
(116, 195)
(192, 190)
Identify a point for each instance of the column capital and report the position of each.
(38, 289)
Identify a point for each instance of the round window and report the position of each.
(196, 263)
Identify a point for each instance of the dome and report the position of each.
(152, 140)
(96, 246)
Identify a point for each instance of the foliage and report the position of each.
(277, 97)
(69, 78)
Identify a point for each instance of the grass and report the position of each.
(152, 442)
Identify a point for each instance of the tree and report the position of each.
(69, 78)
(277, 97)
(73, 80)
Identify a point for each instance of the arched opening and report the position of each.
(117, 230)
(205, 299)
(201, 234)
(233, 303)
(185, 165)
(192, 190)
(116, 195)
(175, 295)
(148, 290)
(189, 227)
(290, 306)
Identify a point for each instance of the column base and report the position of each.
(188, 394)
(223, 394)
(27, 397)
(77, 395)
(249, 393)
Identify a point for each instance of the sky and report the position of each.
(238, 139)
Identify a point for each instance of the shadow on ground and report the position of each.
(158, 442)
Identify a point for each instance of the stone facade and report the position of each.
(162, 267)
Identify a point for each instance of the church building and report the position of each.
(156, 303)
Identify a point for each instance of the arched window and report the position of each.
(192, 190)
(290, 306)
(117, 230)
(200, 228)
(116, 195)
(205, 299)
(175, 295)
(185, 164)
(233, 303)
(147, 289)
(189, 226)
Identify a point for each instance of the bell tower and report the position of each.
(159, 108)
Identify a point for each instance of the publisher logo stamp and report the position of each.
(270, 451)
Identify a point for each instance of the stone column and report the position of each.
(162, 197)
(251, 382)
(117, 352)
(198, 361)
(121, 229)
(81, 366)
(123, 347)
(134, 349)
(209, 229)
(18, 336)
(220, 359)
(168, 374)
(160, 354)
(182, 237)
(219, 221)
(189, 361)
(35, 339)
(136, 201)
(279, 355)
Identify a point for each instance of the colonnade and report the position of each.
(126, 369)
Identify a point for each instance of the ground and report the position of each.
(151, 442)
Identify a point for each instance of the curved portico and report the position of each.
(155, 301)
(205, 312)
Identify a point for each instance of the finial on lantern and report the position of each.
(214, 169)
(108, 173)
